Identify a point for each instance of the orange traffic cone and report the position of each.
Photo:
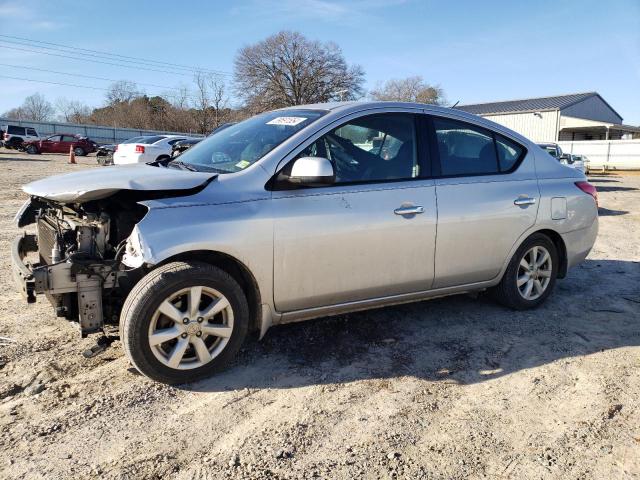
(72, 155)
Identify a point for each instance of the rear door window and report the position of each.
(464, 148)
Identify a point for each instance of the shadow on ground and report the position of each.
(458, 339)
(605, 212)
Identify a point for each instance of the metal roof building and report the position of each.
(576, 116)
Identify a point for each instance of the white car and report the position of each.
(146, 149)
(574, 161)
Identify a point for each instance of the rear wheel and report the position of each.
(531, 274)
(184, 322)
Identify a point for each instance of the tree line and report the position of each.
(283, 70)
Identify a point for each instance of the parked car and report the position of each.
(585, 162)
(573, 161)
(300, 213)
(61, 143)
(183, 145)
(552, 149)
(147, 149)
(15, 135)
(104, 154)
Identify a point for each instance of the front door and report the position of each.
(487, 198)
(50, 144)
(372, 233)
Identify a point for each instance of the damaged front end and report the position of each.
(75, 259)
(83, 255)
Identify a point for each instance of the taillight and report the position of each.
(6, 136)
(589, 189)
(139, 148)
(115, 149)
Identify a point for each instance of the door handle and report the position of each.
(412, 210)
(524, 201)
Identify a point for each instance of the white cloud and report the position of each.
(32, 17)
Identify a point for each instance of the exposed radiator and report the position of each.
(46, 239)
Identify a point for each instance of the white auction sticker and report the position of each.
(291, 121)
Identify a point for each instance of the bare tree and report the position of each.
(17, 113)
(210, 101)
(410, 89)
(72, 110)
(35, 107)
(288, 69)
(122, 91)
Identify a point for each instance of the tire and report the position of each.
(32, 149)
(141, 317)
(510, 293)
(79, 151)
(163, 158)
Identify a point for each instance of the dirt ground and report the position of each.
(452, 388)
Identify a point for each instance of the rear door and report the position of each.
(369, 235)
(66, 143)
(487, 198)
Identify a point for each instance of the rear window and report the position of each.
(150, 140)
(13, 130)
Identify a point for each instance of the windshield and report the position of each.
(236, 147)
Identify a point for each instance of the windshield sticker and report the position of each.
(243, 164)
(289, 121)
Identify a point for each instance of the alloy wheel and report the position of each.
(191, 327)
(534, 272)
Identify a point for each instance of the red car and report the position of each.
(61, 143)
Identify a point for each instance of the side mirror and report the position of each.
(312, 172)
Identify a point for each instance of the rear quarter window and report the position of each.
(13, 130)
(509, 153)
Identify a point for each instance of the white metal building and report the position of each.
(577, 116)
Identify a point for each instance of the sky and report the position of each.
(477, 51)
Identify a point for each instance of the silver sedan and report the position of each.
(300, 213)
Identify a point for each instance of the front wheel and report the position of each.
(183, 322)
(531, 274)
(32, 150)
(79, 151)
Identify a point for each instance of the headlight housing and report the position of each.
(134, 250)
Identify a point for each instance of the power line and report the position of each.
(83, 76)
(98, 61)
(89, 87)
(109, 56)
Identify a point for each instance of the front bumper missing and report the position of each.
(60, 279)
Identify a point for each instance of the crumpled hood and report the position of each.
(97, 183)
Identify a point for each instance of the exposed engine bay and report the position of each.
(79, 257)
(85, 254)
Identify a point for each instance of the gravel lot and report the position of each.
(451, 388)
